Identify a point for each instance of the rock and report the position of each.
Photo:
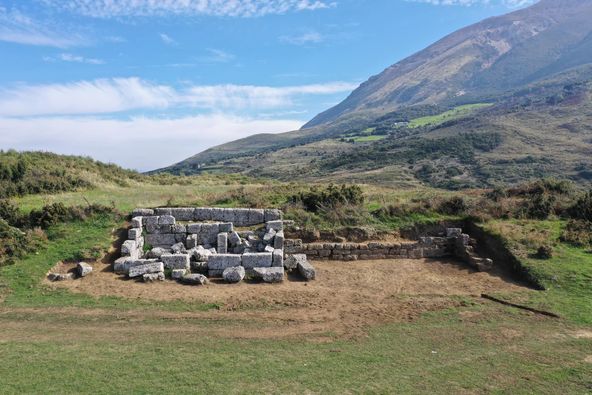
(142, 212)
(278, 258)
(194, 229)
(268, 237)
(215, 273)
(175, 261)
(225, 227)
(161, 239)
(162, 211)
(255, 217)
(134, 234)
(272, 215)
(278, 226)
(156, 253)
(200, 254)
(223, 261)
(453, 232)
(179, 228)
(199, 267)
(137, 222)
(148, 268)
(183, 214)
(177, 274)
(194, 279)
(202, 214)
(269, 274)
(179, 248)
(234, 239)
(306, 269)
(84, 269)
(234, 274)
(253, 260)
(166, 220)
(60, 276)
(278, 241)
(152, 277)
(130, 248)
(269, 249)
(123, 264)
(222, 243)
(291, 261)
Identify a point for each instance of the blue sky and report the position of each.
(146, 83)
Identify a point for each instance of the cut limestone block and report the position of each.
(183, 214)
(60, 276)
(148, 268)
(278, 226)
(225, 227)
(166, 220)
(83, 269)
(178, 248)
(255, 217)
(137, 222)
(273, 215)
(223, 261)
(194, 279)
(161, 239)
(306, 269)
(123, 264)
(234, 239)
(268, 249)
(177, 274)
(278, 258)
(175, 261)
(269, 274)
(202, 214)
(200, 254)
(162, 211)
(178, 228)
(291, 261)
(278, 241)
(156, 253)
(152, 277)
(215, 273)
(130, 248)
(142, 212)
(234, 274)
(253, 260)
(134, 234)
(268, 237)
(222, 243)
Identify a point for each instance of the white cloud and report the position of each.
(124, 94)
(217, 56)
(139, 143)
(68, 57)
(232, 8)
(508, 3)
(18, 28)
(303, 39)
(168, 40)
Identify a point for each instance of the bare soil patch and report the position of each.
(345, 299)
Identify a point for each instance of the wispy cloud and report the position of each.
(106, 96)
(18, 28)
(508, 3)
(232, 8)
(303, 39)
(168, 40)
(216, 56)
(68, 57)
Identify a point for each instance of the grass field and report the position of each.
(56, 341)
(455, 113)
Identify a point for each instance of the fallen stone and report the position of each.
(156, 253)
(253, 260)
(152, 277)
(291, 261)
(175, 261)
(268, 237)
(269, 274)
(60, 276)
(194, 279)
(199, 267)
(215, 273)
(222, 243)
(177, 274)
(272, 215)
(137, 222)
(269, 249)
(223, 261)
(225, 227)
(134, 234)
(306, 270)
(278, 226)
(84, 269)
(200, 254)
(130, 248)
(234, 274)
(179, 248)
(453, 232)
(148, 268)
(234, 239)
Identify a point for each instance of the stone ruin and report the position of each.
(194, 244)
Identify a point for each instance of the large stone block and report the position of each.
(130, 248)
(222, 243)
(241, 217)
(217, 214)
(209, 234)
(278, 241)
(256, 217)
(134, 234)
(453, 232)
(225, 227)
(161, 239)
(153, 277)
(253, 260)
(142, 212)
(137, 222)
(137, 271)
(269, 274)
(234, 239)
(156, 252)
(306, 270)
(278, 258)
(183, 214)
(278, 226)
(272, 215)
(177, 274)
(179, 228)
(166, 220)
(175, 261)
(234, 274)
(200, 254)
(179, 248)
(150, 221)
(223, 261)
(194, 279)
(202, 214)
(215, 273)
(291, 262)
(158, 229)
(83, 269)
(268, 237)
(162, 211)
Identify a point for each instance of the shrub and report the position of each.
(583, 208)
(10, 213)
(545, 252)
(330, 197)
(453, 206)
(578, 233)
(540, 206)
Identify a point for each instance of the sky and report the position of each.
(147, 83)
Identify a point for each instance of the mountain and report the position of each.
(514, 76)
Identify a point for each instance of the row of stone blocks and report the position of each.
(238, 216)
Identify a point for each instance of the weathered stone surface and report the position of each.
(156, 252)
(137, 222)
(130, 248)
(222, 243)
(453, 232)
(177, 274)
(150, 221)
(306, 270)
(241, 217)
(179, 228)
(269, 274)
(142, 212)
(175, 261)
(60, 276)
(234, 274)
(209, 234)
(253, 260)
(200, 254)
(223, 261)
(234, 239)
(278, 241)
(161, 239)
(199, 267)
(134, 233)
(268, 249)
(225, 227)
(278, 258)
(183, 214)
(268, 237)
(278, 226)
(178, 248)
(162, 211)
(291, 261)
(83, 269)
(215, 273)
(194, 228)
(152, 277)
(272, 215)
(255, 217)
(148, 268)
(166, 220)
(194, 279)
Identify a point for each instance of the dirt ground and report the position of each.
(345, 299)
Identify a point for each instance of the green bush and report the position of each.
(453, 206)
(330, 197)
(583, 208)
(578, 233)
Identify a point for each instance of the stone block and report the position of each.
(137, 271)
(130, 248)
(166, 220)
(137, 222)
(291, 261)
(228, 215)
(200, 254)
(134, 233)
(175, 261)
(60, 276)
(202, 214)
(179, 248)
(179, 228)
(162, 211)
(269, 249)
(161, 239)
(256, 217)
(215, 273)
(223, 261)
(191, 241)
(157, 252)
(83, 269)
(269, 274)
(253, 260)
(194, 229)
(278, 241)
(306, 270)
(225, 227)
(209, 233)
(234, 239)
(416, 253)
(177, 274)
(272, 215)
(142, 212)
(222, 243)
(234, 274)
(194, 279)
(241, 217)
(269, 235)
(217, 214)
(183, 214)
(153, 277)
(278, 226)
(278, 258)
